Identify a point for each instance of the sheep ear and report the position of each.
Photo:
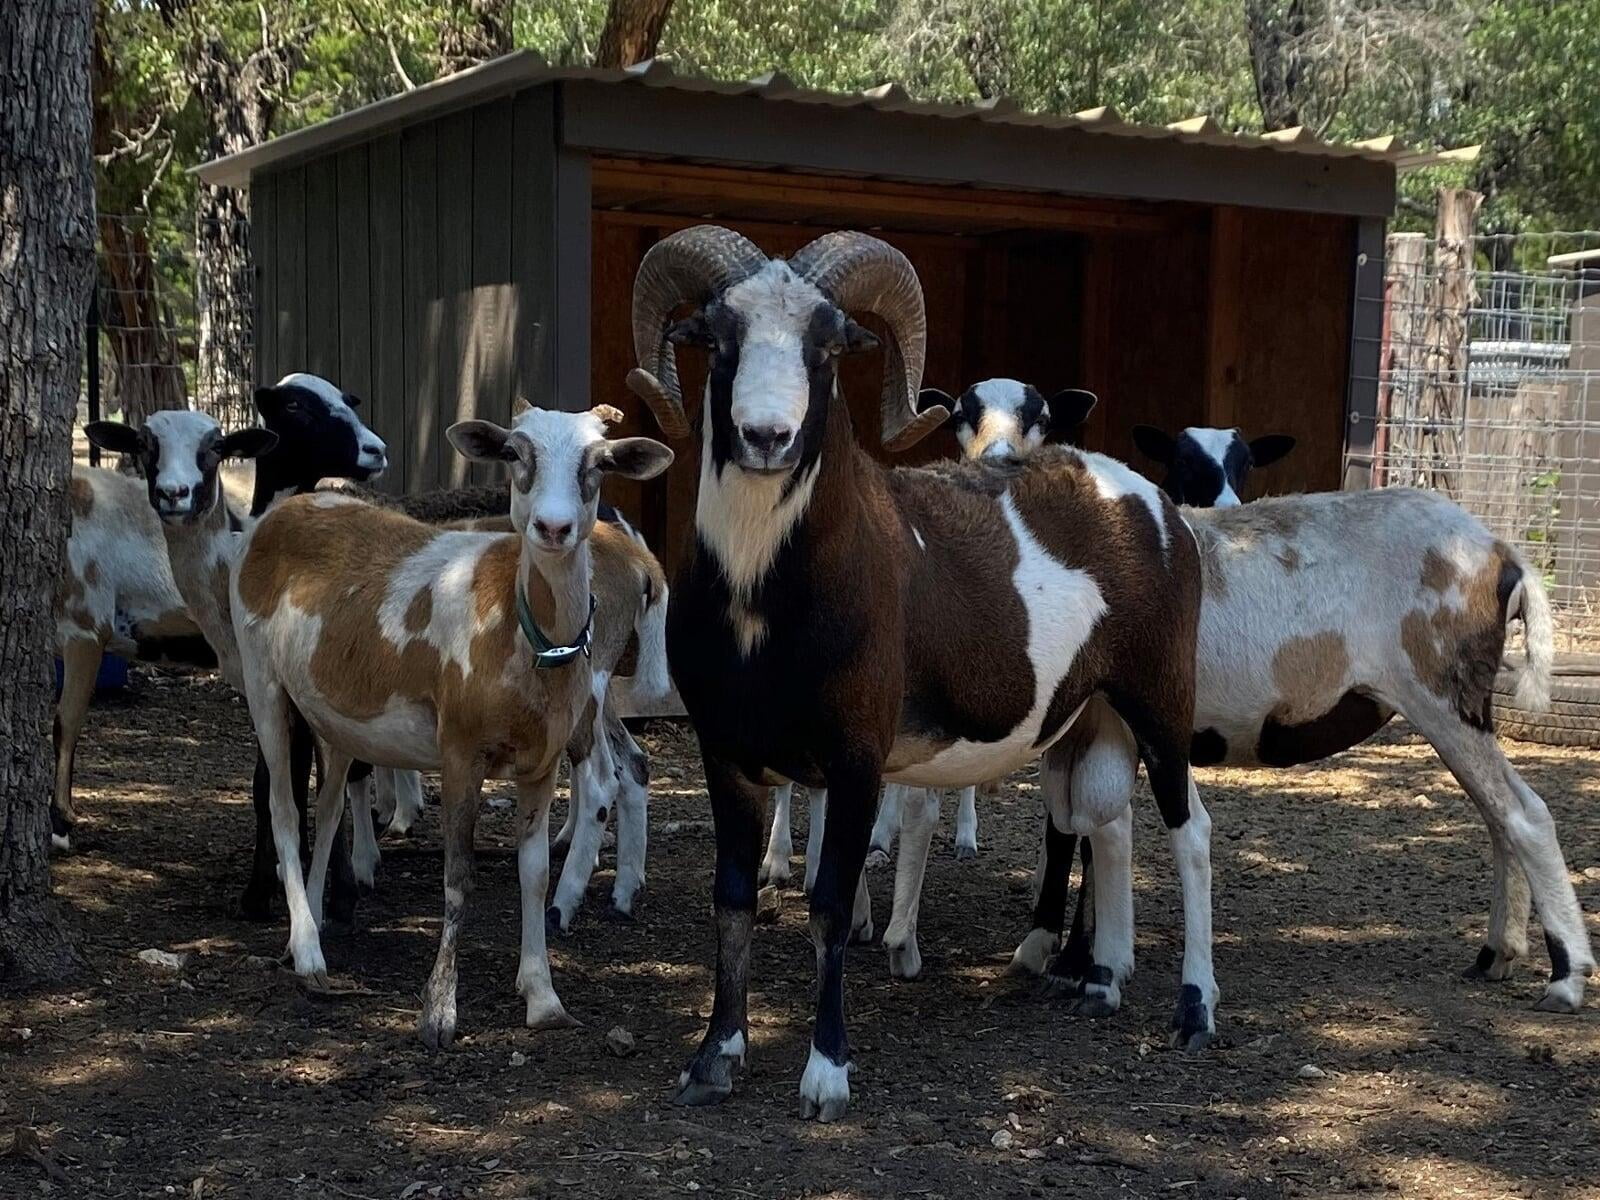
(247, 443)
(1153, 443)
(1071, 408)
(481, 441)
(115, 437)
(691, 331)
(1264, 451)
(858, 338)
(634, 458)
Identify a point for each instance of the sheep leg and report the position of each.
(1108, 886)
(1510, 905)
(344, 891)
(593, 789)
(1516, 814)
(919, 819)
(269, 710)
(330, 816)
(364, 853)
(633, 818)
(255, 903)
(853, 789)
(461, 785)
(816, 822)
(1051, 881)
(544, 1010)
(80, 662)
(406, 788)
(780, 841)
(737, 807)
(886, 825)
(967, 824)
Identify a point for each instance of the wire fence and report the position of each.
(1489, 391)
(171, 320)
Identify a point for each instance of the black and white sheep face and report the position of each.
(558, 461)
(1006, 418)
(1207, 468)
(308, 411)
(775, 341)
(179, 453)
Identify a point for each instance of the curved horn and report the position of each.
(859, 272)
(691, 264)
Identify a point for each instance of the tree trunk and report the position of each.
(146, 368)
(475, 32)
(47, 244)
(632, 31)
(240, 102)
(144, 348)
(1276, 61)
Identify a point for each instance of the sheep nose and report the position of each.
(553, 534)
(767, 440)
(180, 492)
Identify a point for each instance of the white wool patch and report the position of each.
(1063, 606)
(445, 566)
(744, 518)
(1114, 480)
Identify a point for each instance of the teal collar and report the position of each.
(546, 654)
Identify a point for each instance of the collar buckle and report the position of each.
(546, 654)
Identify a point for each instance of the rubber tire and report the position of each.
(1573, 718)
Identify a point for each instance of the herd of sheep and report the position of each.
(877, 634)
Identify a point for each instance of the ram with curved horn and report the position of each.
(819, 630)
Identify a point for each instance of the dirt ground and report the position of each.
(1348, 898)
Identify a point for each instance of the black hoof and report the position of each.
(437, 1035)
(1191, 1021)
(342, 910)
(966, 853)
(697, 1094)
(1060, 987)
(255, 906)
(1489, 967)
(620, 916)
(552, 922)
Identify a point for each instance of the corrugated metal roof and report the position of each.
(524, 68)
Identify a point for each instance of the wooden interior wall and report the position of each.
(1279, 341)
(417, 271)
(974, 288)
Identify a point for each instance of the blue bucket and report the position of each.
(112, 676)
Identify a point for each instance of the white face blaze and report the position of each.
(771, 388)
(558, 509)
(179, 481)
(371, 452)
(1215, 444)
(1000, 432)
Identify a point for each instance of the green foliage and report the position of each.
(1520, 76)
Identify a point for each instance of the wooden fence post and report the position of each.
(1397, 444)
(1445, 381)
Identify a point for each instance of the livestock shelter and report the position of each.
(450, 248)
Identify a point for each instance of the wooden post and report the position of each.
(1397, 443)
(1444, 387)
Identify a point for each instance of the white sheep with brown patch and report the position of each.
(429, 649)
(1322, 616)
(116, 593)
